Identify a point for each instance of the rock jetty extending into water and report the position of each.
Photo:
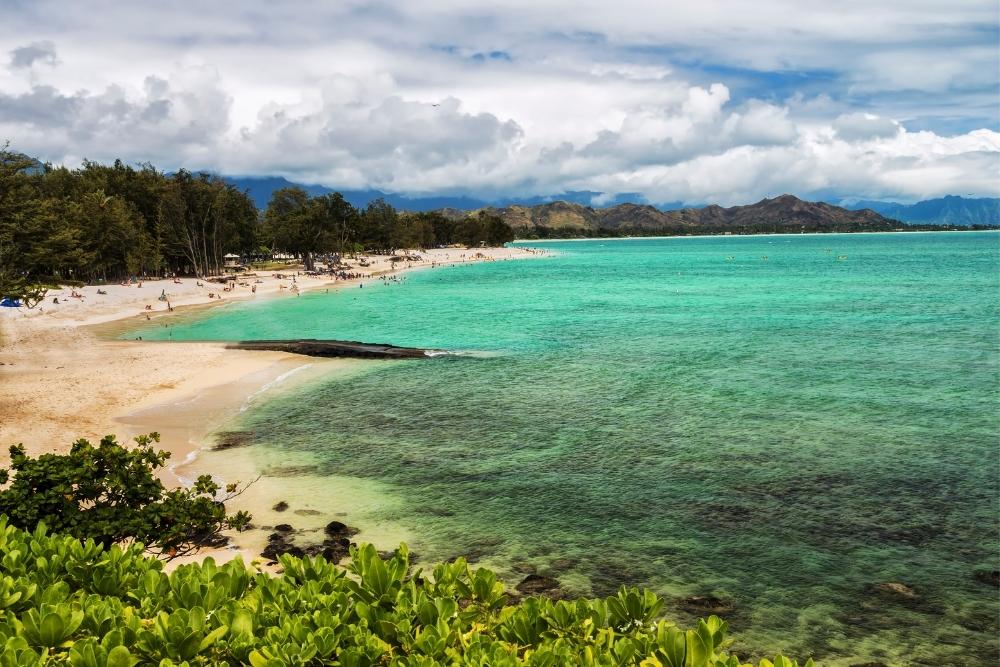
(335, 348)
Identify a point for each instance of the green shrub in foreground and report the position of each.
(67, 602)
(112, 494)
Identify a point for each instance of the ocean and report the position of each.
(779, 422)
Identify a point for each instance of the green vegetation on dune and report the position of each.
(92, 598)
(63, 601)
(111, 494)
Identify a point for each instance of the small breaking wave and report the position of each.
(270, 385)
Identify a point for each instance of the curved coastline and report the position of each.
(70, 363)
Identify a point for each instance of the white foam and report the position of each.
(270, 385)
(189, 459)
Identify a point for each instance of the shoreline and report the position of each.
(62, 376)
(732, 236)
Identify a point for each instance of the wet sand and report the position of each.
(61, 378)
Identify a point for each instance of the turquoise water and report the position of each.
(780, 433)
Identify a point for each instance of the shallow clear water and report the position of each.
(781, 433)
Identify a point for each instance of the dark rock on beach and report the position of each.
(334, 548)
(280, 507)
(336, 529)
(279, 543)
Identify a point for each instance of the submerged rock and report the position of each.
(291, 471)
(536, 584)
(525, 568)
(988, 577)
(560, 564)
(284, 528)
(232, 439)
(280, 507)
(706, 604)
(897, 590)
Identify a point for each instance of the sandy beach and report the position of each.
(63, 378)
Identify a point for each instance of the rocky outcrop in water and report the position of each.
(537, 584)
(894, 589)
(989, 577)
(333, 348)
(706, 604)
(232, 440)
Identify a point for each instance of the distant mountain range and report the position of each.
(260, 189)
(781, 214)
(951, 210)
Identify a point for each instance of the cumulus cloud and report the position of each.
(43, 52)
(387, 142)
(172, 121)
(521, 98)
(862, 126)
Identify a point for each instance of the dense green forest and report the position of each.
(107, 222)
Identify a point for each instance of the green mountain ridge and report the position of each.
(786, 213)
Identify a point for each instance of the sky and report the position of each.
(708, 101)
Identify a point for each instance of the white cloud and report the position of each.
(43, 52)
(861, 126)
(534, 97)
